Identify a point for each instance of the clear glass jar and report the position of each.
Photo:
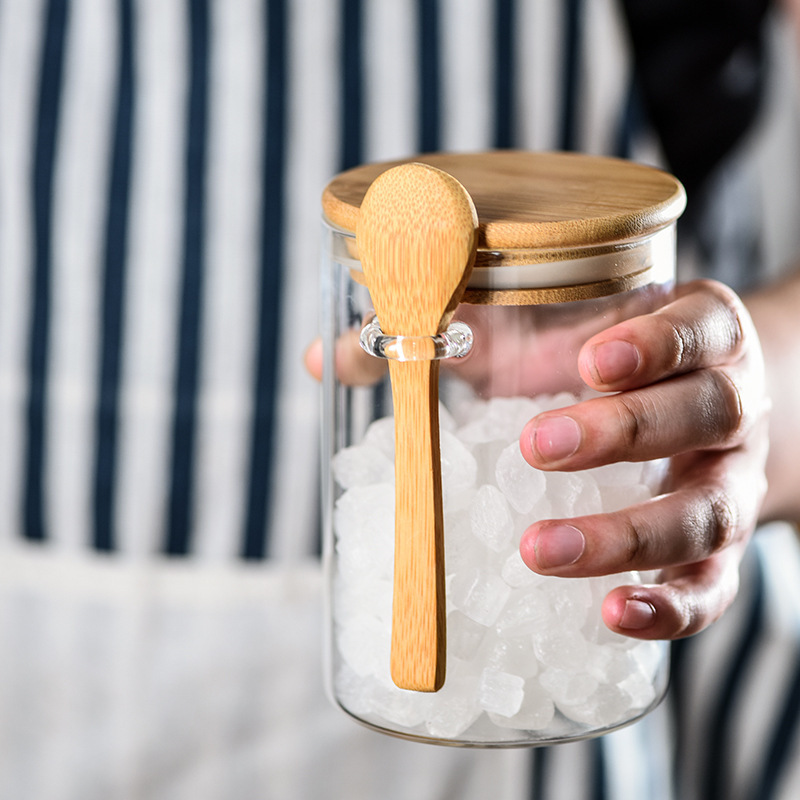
(529, 660)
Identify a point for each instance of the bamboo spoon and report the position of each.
(416, 237)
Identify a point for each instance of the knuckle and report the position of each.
(727, 404)
(730, 313)
(683, 345)
(629, 415)
(635, 545)
(722, 522)
(716, 327)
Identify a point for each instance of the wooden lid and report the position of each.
(538, 200)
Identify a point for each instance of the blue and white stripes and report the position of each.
(162, 168)
(161, 163)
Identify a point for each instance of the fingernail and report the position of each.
(558, 546)
(614, 361)
(637, 615)
(555, 438)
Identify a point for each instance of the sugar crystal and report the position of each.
(479, 594)
(380, 434)
(516, 573)
(535, 712)
(500, 692)
(459, 470)
(490, 518)
(514, 655)
(518, 480)
(567, 687)
(561, 649)
(526, 613)
(362, 465)
(519, 644)
(607, 706)
(464, 635)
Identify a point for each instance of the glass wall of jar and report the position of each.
(529, 660)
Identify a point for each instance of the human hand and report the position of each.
(689, 383)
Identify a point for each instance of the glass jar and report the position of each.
(568, 245)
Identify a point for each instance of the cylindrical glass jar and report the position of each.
(568, 245)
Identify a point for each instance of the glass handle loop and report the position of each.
(455, 342)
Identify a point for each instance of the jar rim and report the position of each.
(516, 277)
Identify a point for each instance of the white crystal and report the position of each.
(608, 705)
(563, 489)
(350, 688)
(509, 415)
(649, 656)
(535, 713)
(462, 550)
(351, 597)
(400, 707)
(570, 599)
(519, 644)
(611, 664)
(365, 644)
(567, 687)
(464, 635)
(446, 420)
(459, 470)
(479, 594)
(490, 518)
(519, 481)
(588, 500)
(513, 655)
(362, 465)
(500, 692)
(516, 573)
(380, 434)
(526, 613)
(564, 650)
(639, 689)
(456, 706)
(486, 455)
(558, 400)
(499, 419)
(363, 520)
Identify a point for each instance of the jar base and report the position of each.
(561, 731)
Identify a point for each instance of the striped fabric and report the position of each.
(160, 235)
(161, 163)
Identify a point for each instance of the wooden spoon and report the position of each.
(416, 237)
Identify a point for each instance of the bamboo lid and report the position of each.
(538, 201)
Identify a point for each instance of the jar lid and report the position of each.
(537, 200)
(569, 210)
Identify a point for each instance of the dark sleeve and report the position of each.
(701, 68)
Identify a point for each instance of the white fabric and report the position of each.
(177, 681)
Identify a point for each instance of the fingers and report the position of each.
(313, 358)
(705, 409)
(705, 326)
(680, 527)
(689, 599)
(713, 502)
(695, 534)
(688, 385)
(690, 595)
(354, 367)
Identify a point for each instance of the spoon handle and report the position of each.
(418, 612)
